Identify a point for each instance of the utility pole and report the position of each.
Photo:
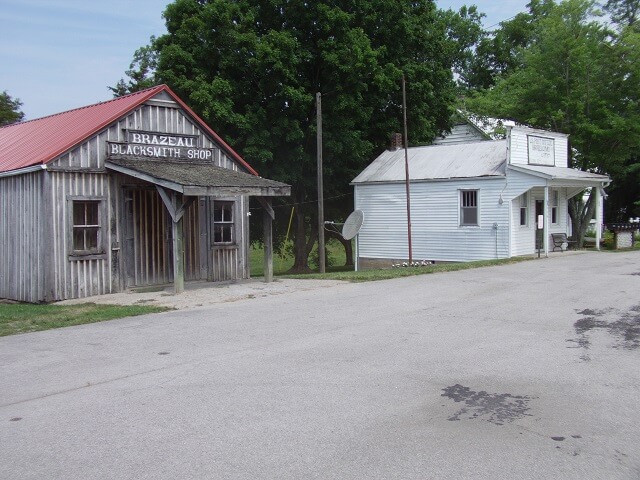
(321, 254)
(406, 167)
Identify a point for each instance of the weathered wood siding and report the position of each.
(230, 262)
(76, 276)
(22, 266)
(81, 172)
(435, 218)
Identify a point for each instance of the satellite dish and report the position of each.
(353, 225)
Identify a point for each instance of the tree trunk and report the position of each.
(348, 247)
(581, 214)
(302, 245)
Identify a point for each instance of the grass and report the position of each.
(24, 317)
(283, 261)
(337, 271)
(389, 273)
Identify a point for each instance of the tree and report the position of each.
(252, 68)
(578, 78)
(10, 109)
(141, 72)
(623, 12)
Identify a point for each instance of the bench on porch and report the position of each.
(559, 240)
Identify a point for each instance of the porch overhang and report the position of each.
(575, 181)
(563, 177)
(180, 182)
(198, 179)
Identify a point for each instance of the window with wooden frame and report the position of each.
(468, 207)
(223, 226)
(86, 235)
(524, 209)
(553, 205)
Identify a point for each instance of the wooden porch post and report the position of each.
(545, 224)
(178, 252)
(176, 205)
(267, 220)
(598, 217)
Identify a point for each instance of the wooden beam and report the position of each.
(266, 204)
(147, 178)
(267, 220)
(175, 204)
(178, 256)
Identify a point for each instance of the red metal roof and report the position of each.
(40, 141)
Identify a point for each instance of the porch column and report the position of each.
(598, 217)
(267, 220)
(545, 224)
(178, 254)
(176, 205)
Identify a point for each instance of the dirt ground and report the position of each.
(202, 294)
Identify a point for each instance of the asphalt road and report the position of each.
(525, 371)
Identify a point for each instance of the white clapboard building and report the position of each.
(471, 199)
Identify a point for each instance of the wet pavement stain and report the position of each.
(623, 326)
(496, 408)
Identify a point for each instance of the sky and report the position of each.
(56, 55)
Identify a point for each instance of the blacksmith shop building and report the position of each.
(131, 192)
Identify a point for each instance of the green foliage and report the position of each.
(141, 72)
(625, 13)
(24, 317)
(579, 78)
(283, 260)
(252, 68)
(10, 109)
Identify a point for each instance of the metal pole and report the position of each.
(321, 254)
(406, 167)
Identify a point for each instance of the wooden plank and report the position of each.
(267, 221)
(47, 232)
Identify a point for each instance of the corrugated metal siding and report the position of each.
(436, 233)
(21, 265)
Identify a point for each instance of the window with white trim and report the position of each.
(524, 209)
(468, 207)
(223, 226)
(86, 229)
(553, 202)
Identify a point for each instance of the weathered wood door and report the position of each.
(148, 254)
(147, 234)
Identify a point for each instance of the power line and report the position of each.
(288, 205)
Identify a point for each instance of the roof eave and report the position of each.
(21, 171)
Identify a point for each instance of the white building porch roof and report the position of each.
(561, 176)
